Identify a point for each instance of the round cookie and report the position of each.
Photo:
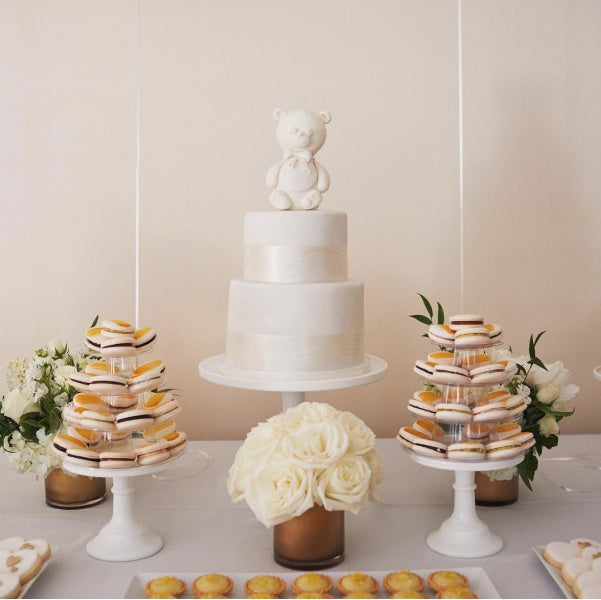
(42, 547)
(453, 412)
(10, 586)
(468, 450)
(25, 564)
(557, 553)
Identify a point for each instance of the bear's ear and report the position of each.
(326, 117)
(279, 113)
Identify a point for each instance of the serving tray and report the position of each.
(480, 583)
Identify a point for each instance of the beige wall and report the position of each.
(211, 73)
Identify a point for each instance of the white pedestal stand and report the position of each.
(463, 534)
(124, 537)
(293, 392)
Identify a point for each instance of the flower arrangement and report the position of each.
(545, 388)
(30, 413)
(310, 454)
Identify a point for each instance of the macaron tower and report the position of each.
(120, 418)
(463, 411)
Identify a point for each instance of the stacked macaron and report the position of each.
(481, 373)
(116, 338)
(147, 376)
(465, 331)
(116, 399)
(426, 438)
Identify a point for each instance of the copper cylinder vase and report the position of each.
(315, 540)
(495, 493)
(73, 491)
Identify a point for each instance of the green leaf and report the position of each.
(94, 321)
(527, 468)
(440, 313)
(538, 337)
(537, 361)
(426, 304)
(422, 319)
(531, 350)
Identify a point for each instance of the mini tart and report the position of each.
(456, 591)
(165, 587)
(312, 582)
(357, 582)
(399, 581)
(265, 584)
(441, 580)
(213, 583)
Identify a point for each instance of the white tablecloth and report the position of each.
(205, 532)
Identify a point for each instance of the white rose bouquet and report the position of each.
(311, 454)
(30, 413)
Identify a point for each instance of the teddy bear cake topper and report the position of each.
(297, 181)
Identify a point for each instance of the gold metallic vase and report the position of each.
(315, 540)
(73, 491)
(495, 493)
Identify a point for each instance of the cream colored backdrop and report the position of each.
(211, 72)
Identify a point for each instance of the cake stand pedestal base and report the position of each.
(124, 538)
(463, 534)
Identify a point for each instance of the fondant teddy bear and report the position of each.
(298, 180)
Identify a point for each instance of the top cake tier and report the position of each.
(295, 246)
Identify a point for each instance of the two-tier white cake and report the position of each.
(295, 315)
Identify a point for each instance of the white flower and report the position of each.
(316, 445)
(56, 347)
(61, 374)
(361, 437)
(548, 426)
(547, 393)
(15, 403)
(345, 485)
(279, 492)
(375, 466)
(502, 474)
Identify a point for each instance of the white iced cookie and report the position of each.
(557, 553)
(592, 552)
(591, 591)
(42, 547)
(298, 180)
(10, 586)
(574, 567)
(11, 543)
(25, 564)
(584, 580)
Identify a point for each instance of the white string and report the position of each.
(137, 215)
(460, 88)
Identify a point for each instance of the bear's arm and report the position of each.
(272, 174)
(323, 178)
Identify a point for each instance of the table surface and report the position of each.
(205, 532)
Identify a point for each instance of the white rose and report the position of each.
(548, 426)
(375, 465)
(263, 442)
(345, 485)
(316, 445)
(547, 394)
(278, 492)
(56, 347)
(309, 412)
(15, 403)
(361, 437)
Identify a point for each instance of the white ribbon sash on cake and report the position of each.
(295, 264)
(310, 356)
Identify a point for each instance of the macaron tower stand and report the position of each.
(463, 534)
(122, 388)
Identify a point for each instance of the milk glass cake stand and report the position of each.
(124, 537)
(463, 534)
(293, 392)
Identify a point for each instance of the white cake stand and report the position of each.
(293, 392)
(463, 534)
(124, 537)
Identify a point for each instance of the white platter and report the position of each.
(25, 588)
(480, 583)
(554, 572)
